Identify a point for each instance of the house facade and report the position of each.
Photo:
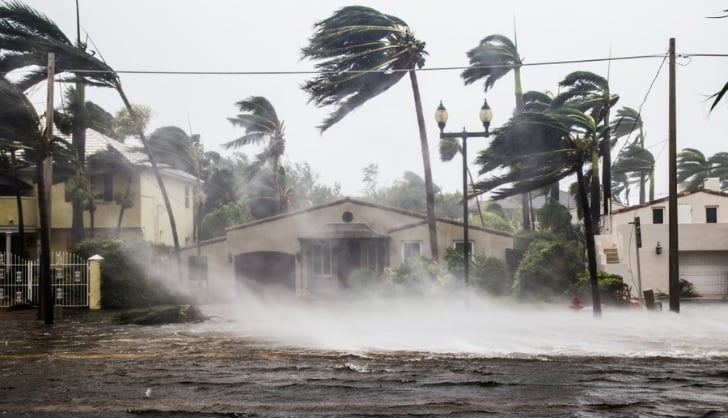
(702, 242)
(146, 218)
(314, 250)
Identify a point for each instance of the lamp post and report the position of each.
(486, 116)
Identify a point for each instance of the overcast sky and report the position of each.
(259, 36)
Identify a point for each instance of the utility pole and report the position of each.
(674, 277)
(44, 205)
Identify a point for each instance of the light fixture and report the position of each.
(658, 248)
(441, 116)
(486, 115)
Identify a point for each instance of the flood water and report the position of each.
(371, 359)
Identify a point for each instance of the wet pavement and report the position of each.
(239, 365)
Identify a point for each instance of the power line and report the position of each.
(445, 68)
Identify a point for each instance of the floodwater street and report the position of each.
(241, 363)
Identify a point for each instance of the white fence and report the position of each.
(19, 280)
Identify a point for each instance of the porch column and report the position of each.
(94, 282)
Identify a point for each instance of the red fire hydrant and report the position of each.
(576, 302)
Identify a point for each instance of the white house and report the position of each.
(702, 242)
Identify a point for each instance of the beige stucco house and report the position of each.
(313, 251)
(702, 242)
(147, 217)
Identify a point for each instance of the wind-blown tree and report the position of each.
(627, 122)
(537, 149)
(590, 93)
(362, 53)
(26, 38)
(493, 58)
(261, 124)
(110, 160)
(631, 165)
(693, 168)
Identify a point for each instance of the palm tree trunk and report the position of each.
(643, 184)
(652, 184)
(279, 197)
(591, 252)
(78, 139)
(429, 188)
(607, 161)
(477, 202)
(19, 203)
(160, 182)
(525, 212)
(595, 193)
(122, 208)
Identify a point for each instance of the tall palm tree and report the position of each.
(493, 58)
(362, 53)
(590, 93)
(26, 38)
(536, 149)
(261, 124)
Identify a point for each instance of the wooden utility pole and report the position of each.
(44, 205)
(674, 277)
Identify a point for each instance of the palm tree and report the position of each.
(693, 168)
(493, 58)
(590, 93)
(362, 53)
(261, 124)
(628, 121)
(632, 164)
(26, 38)
(536, 149)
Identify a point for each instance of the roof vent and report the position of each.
(347, 216)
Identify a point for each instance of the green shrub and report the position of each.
(548, 270)
(124, 282)
(612, 289)
(491, 274)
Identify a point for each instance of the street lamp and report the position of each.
(486, 116)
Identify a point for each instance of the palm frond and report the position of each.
(493, 58)
(362, 53)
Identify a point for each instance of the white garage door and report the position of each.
(707, 270)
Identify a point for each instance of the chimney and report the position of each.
(712, 183)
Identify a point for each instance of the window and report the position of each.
(321, 259)
(411, 249)
(102, 187)
(458, 245)
(711, 215)
(375, 256)
(658, 215)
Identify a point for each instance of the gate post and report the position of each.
(94, 282)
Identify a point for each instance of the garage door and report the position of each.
(707, 270)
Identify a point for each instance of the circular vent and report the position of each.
(347, 216)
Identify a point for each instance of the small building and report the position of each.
(314, 250)
(702, 242)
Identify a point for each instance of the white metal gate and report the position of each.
(19, 280)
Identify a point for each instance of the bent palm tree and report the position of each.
(537, 149)
(628, 121)
(493, 58)
(633, 163)
(261, 124)
(590, 93)
(362, 53)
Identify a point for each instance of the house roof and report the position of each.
(421, 216)
(97, 142)
(665, 199)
